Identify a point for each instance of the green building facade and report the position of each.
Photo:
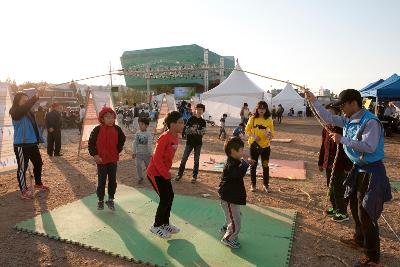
(175, 56)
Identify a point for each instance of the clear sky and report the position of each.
(335, 44)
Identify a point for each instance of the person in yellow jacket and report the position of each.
(260, 129)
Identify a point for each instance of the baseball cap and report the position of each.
(348, 95)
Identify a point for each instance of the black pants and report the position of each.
(104, 170)
(254, 154)
(279, 119)
(339, 203)
(367, 231)
(186, 154)
(164, 189)
(54, 142)
(24, 155)
(222, 132)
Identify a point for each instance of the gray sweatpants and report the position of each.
(140, 159)
(232, 219)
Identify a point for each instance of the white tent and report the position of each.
(229, 96)
(289, 98)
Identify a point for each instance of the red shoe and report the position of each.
(42, 187)
(27, 194)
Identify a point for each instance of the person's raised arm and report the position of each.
(325, 115)
(20, 111)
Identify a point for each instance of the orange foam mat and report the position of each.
(286, 169)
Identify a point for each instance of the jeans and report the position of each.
(104, 170)
(222, 132)
(339, 203)
(140, 159)
(367, 231)
(186, 153)
(264, 160)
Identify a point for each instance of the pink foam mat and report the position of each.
(286, 169)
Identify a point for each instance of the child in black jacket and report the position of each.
(232, 190)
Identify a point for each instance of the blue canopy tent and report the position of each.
(388, 89)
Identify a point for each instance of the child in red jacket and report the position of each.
(105, 143)
(160, 177)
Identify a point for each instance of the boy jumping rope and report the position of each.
(160, 177)
(232, 191)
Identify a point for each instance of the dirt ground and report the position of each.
(316, 240)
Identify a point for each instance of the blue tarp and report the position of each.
(389, 88)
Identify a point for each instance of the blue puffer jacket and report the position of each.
(25, 128)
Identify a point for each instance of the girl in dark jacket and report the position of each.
(26, 140)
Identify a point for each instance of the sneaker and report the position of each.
(27, 194)
(339, 217)
(352, 242)
(100, 205)
(194, 179)
(223, 229)
(140, 181)
(158, 230)
(365, 261)
(178, 177)
(42, 187)
(330, 212)
(110, 204)
(253, 188)
(170, 228)
(233, 244)
(58, 155)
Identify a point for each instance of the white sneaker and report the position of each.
(170, 228)
(159, 230)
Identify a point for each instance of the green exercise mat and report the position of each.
(395, 186)
(266, 234)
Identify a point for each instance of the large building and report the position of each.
(185, 56)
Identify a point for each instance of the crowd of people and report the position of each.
(358, 178)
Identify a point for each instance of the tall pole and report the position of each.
(111, 76)
(148, 80)
(221, 70)
(205, 70)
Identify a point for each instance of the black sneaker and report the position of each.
(110, 204)
(100, 205)
(194, 179)
(58, 155)
(178, 178)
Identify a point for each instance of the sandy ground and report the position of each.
(316, 241)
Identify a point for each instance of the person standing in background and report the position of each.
(245, 113)
(40, 121)
(53, 125)
(82, 112)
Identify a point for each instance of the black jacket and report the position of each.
(231, 187)
(93, 139)
(53, 120)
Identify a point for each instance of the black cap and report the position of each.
(348, 95)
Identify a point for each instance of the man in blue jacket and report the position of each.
(367, 185)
